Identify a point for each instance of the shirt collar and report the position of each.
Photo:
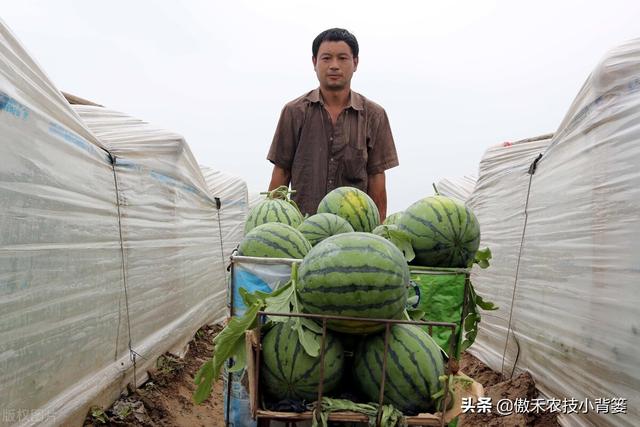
(355, 99)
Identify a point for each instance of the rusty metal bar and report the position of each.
(388, 323)
(384, 372)
(321, 382)
(361, 319)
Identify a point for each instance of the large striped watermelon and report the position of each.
(354, 205)
(356, 275)
(318, 227)
(288, 372)
(414, 363)
(273, 210)
(274, 240)
(443, 232)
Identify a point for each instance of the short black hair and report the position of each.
(335, 35)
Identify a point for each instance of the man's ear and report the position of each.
(355, 64)
(315, 61)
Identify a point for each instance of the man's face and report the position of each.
(334, 65)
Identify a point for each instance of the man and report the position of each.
(332, 136)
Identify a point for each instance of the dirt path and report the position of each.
(165, 399)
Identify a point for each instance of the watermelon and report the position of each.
(288, 372)
(273, 210)
(353, 205)
(443, 232)
(392, 219)
(414, 365)
(274, 240)
(356, 275)
(318, 227)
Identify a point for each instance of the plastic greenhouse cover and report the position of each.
(458, 187)
(234, 206)
(254, 199)
(70, 242)
(567, 282)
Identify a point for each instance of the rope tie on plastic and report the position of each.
(133, 355)
(531, 171)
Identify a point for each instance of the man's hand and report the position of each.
(378, 191)
(279, 177)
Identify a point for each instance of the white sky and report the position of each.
(454, 77)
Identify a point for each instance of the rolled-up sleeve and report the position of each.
(382, 150)
(285, 140)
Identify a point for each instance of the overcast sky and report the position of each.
(454, 77)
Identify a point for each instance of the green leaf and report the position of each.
(225, 346)
(239, 356)
(482, 257)
(309, 340)
(416, 314)
(280, 302)
(485, 305)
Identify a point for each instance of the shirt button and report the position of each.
(331, 159)
(331, 139)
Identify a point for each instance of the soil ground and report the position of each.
(165, 399)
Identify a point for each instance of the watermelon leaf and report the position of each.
(229, 343)
(280, 303)
(402, 242)
(225, 345)
(473, 317)
(482, 257)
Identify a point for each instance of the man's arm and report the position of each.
(279, 176)
(378, 192)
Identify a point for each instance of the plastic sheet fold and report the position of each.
(109, 252)
(565, 245)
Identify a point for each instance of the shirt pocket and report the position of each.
(355, 164)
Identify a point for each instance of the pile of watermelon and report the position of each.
(351, 265)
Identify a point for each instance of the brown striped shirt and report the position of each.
(321, 156)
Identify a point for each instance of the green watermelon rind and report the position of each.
(288, 372)
(320, 226)
(356, 275)
(354, 205)
(414, 365)
(274, 240)
(443, 232)
(273, 210)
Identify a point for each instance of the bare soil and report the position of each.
(497, 387)
(165, 399)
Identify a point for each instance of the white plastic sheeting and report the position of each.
(96, 259)
(254, 199)
(459, 187)
(234, 206)
(566, 242)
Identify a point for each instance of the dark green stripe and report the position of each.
(351, 270)
(316, 361)
(318, 225)
(352, 307)
(266, 242)
(287, 238)
(329, 289)
(277, 351)
(378, 353)
(412, 357)
(427, 224)
(429, 352)
(355, 213)
(369, 249)
(454, 233)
